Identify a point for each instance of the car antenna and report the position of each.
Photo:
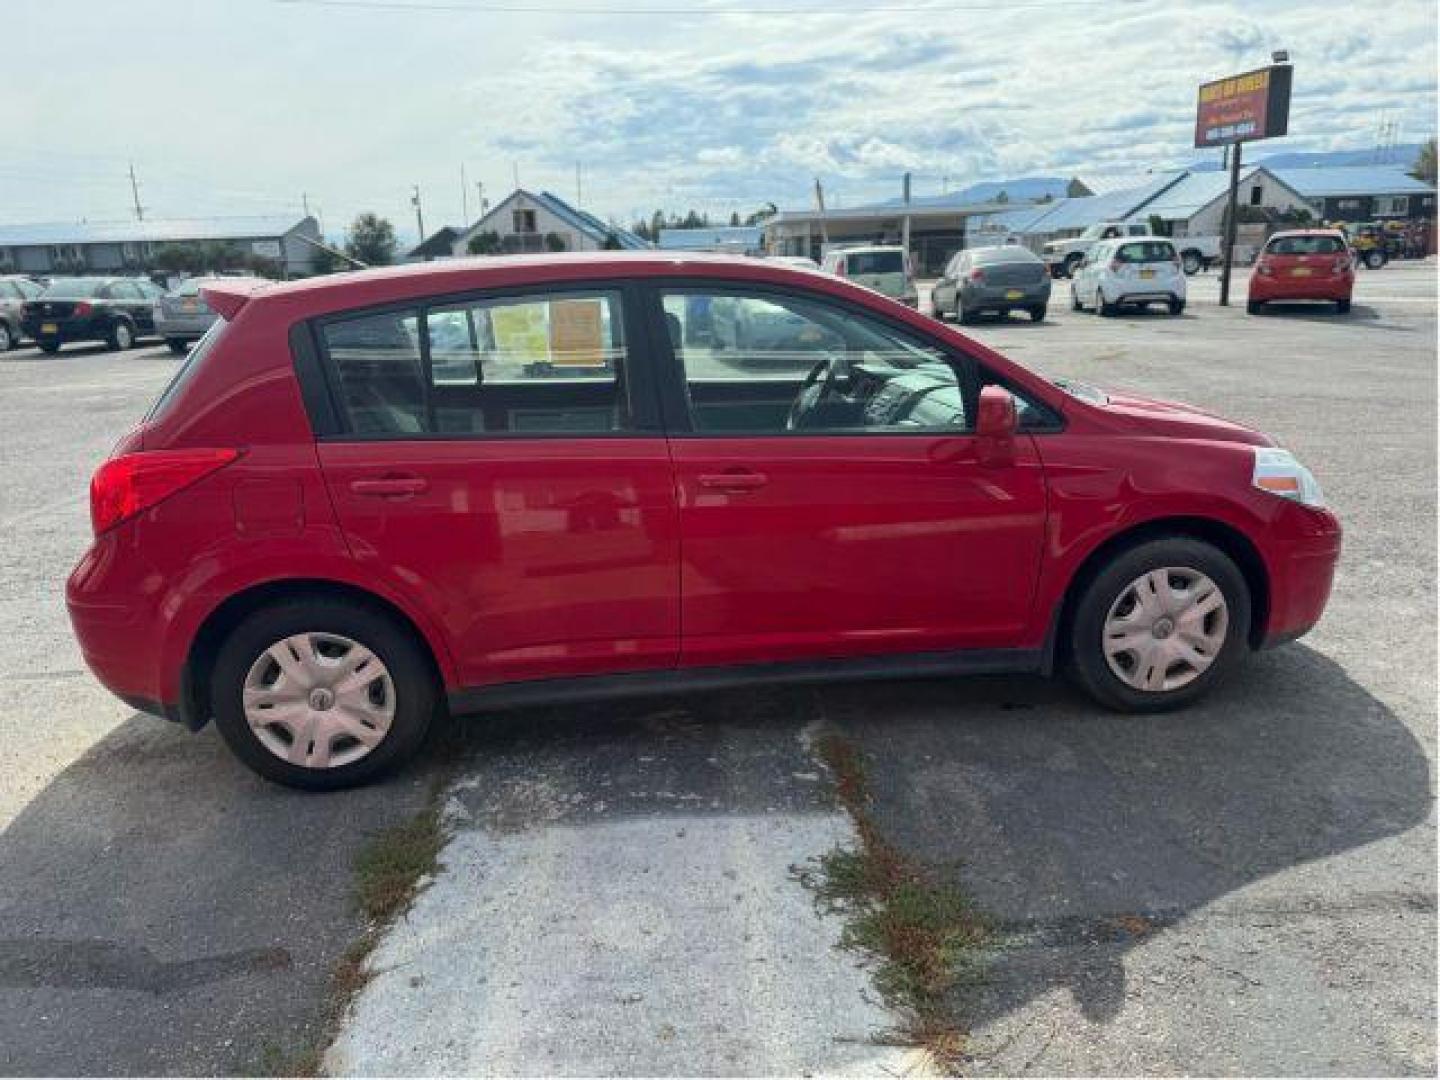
(358, 264)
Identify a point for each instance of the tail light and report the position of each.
(977, 274)
(83, 308)
(1342, 264)
(1264, 267)
(840, 268)
(1115, 265)
(132, 483)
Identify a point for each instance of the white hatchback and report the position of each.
(1129, 271)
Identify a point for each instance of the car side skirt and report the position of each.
(697, 680)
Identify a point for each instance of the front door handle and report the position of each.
(735, 482)
(390, 487)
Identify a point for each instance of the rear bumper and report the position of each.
(1302, 572)
(1000, 296)
(113, 617)
(1333, 288)
(87, 329)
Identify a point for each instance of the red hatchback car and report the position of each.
(1303, 264)
(371, 496)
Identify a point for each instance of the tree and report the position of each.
(371, 239)
(764, 214)
(612, 243)
(657, 222)
(734, 218)
(1424, 167)
(485, 243)
(1158, 226)
(325, 261)
(554, 242)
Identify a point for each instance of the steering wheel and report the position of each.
(819, 388)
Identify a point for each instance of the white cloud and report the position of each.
(235, 115)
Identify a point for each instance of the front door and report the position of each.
(831, 498)
(495, 469)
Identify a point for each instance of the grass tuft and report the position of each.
(390, 869)
(924, 935)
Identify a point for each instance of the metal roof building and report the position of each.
(1338, 180)
(76, 247)
(735, 239)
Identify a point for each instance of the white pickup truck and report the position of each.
(1062, 256)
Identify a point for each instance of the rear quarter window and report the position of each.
(874, 262)
(192, 363)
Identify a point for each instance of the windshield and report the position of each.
(874, 262)
(73, 288)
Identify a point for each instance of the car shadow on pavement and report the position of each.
(1084, 833)
(163, 911)
(1317, 311)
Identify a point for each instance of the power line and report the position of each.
(510, 8)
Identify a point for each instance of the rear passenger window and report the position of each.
(544, 364)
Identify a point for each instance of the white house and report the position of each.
(527, 222)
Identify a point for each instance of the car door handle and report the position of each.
(390, 487)
(738, 481)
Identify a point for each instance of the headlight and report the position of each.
(1277, 472)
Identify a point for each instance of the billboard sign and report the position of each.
(1255, 105)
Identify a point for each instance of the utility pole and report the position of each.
(464, 198)
(419, 217)
(1228, 258)
(480, 194)
(305, 202)
(135, 194)
(905, 226)
(820, 205)
(579, 200)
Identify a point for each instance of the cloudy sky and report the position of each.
(230, 107)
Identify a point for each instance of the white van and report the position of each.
(885, 269)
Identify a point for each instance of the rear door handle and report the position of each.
(743, 480)
(390, 487)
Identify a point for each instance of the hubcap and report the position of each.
(4, 338)
(1165, 629)
(122, 335)
(319, 700)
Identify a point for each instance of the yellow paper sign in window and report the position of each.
(577, 337)
(520, 334)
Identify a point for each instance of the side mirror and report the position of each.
(995, 426)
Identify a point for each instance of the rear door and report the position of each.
(832, 502)
(498, 460)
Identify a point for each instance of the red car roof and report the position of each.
(379, 285)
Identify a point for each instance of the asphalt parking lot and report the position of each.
(1245, 887)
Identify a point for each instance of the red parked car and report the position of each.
(370, 496)
(1303, 264)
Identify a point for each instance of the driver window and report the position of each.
(777, 364)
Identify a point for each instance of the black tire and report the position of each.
(179, 346)
(1177, 307)
(1071, 262)
(8, 338)
(121, 334)
(1375, 259)
(966, 318)
(411, 674)
(1342, 307)
(1191, 263)
(1037, 313)
(1075, 304)
(1105, 307)
(1086, 659)
(51, 347)
(1253, 306)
